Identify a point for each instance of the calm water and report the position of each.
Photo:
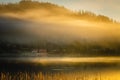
(56, 68)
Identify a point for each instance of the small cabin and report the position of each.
(40, 52)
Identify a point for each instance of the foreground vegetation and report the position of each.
(54, 76)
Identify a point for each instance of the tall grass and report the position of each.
(52, 76)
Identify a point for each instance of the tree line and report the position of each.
(29, 4)
(75, 48)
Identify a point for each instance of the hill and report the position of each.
(52, 10)
(30, 25)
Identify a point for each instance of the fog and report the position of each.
(34, 25)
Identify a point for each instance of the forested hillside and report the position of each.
(53, 9)
(32, 25)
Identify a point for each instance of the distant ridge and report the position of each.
(30, 25)
(54, 9)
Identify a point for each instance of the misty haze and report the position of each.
(47, 41)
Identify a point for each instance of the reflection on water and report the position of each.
(44, 68)
(64, 59)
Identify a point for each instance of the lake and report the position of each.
(60, 68)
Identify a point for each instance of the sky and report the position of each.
(110, 8)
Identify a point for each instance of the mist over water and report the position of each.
(57, 25)
(41, 24)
